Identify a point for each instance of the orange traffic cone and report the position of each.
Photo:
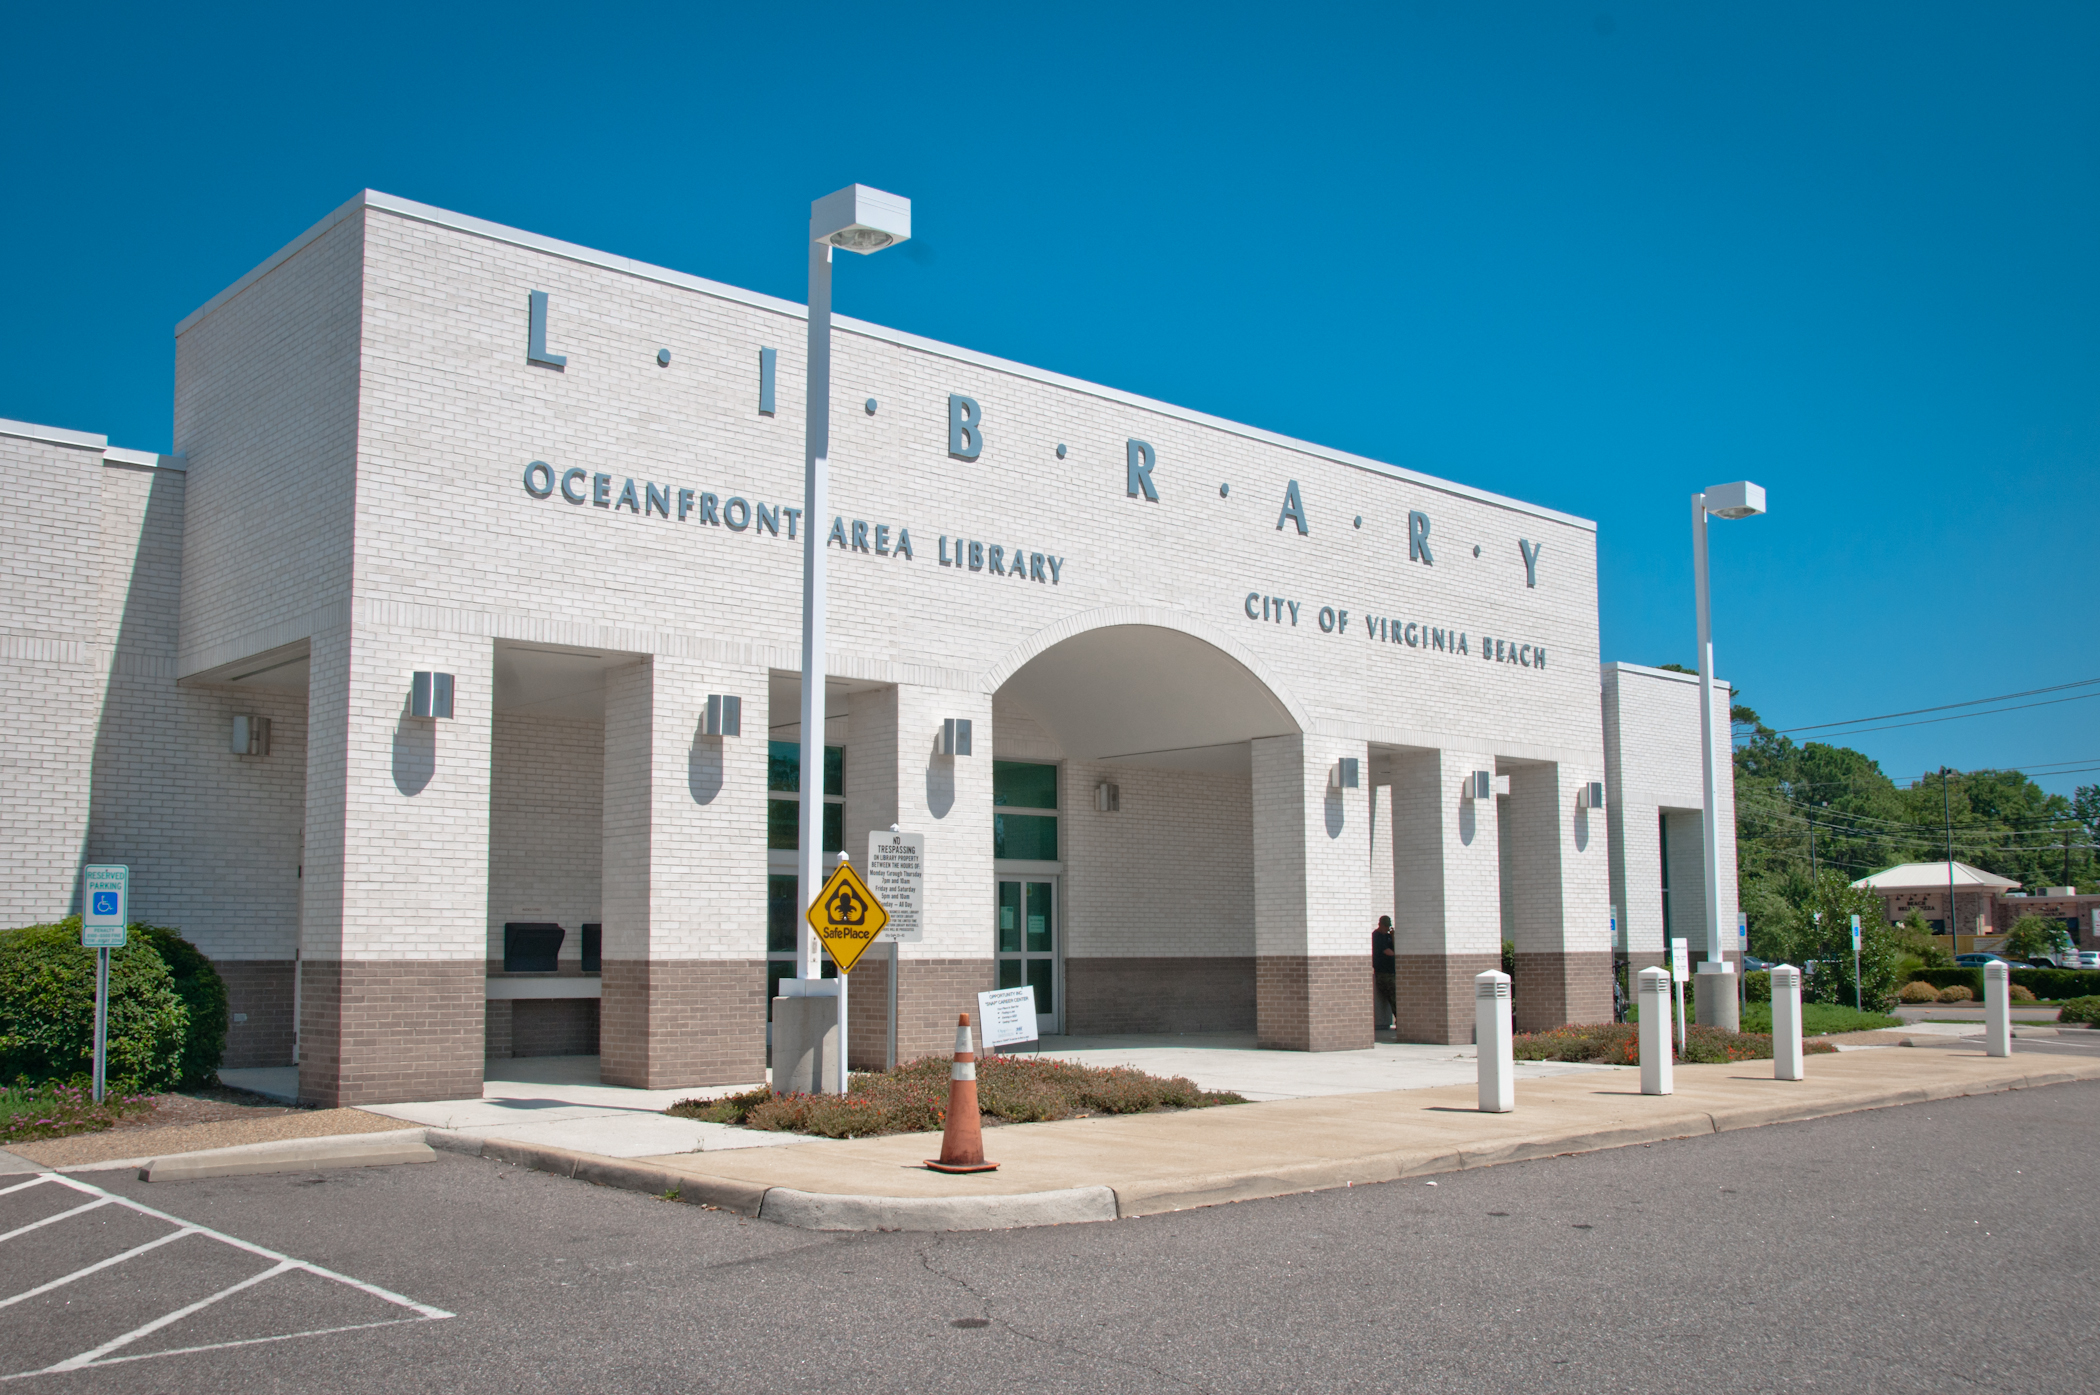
(962, 1141)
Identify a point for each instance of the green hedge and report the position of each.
(47, 1011)
(1957, 977)
(2045, 983)
(203, 994)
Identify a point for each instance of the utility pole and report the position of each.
(1947, 812)
(1814, 874)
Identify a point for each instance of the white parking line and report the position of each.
(280, 1264)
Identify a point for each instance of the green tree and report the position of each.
(2033, 936)
(1914, 937)
(1822, 931)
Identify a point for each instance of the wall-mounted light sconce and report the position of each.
(1345, 775)
(251, 735)
(1592, 795)
(955, 736)
(725, 715)
(430, 695)
(1484, 784)
(1107, 798)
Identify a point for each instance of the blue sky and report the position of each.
(1593, 255)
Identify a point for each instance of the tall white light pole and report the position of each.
(1739, 500)
(863, 220)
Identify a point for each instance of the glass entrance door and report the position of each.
(1025, 946)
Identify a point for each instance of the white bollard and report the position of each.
(1491, 1030)
(1653, 997)
(1786, 1023)
(1997, 1009)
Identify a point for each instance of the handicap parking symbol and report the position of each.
(105, 903)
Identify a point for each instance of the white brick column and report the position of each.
(684, 879)
(1312, 899)
(1446, 893)
(894, 775)
(395, 888)
(1636, 886)
(1557, 859)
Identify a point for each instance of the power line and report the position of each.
(1949, 706)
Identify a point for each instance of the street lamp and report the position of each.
(1739, 500)
(863, 220)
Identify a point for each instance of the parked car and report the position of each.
(1978, 960)
(2068, 959)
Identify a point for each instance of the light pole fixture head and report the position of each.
(1738, 500)
(860, 219)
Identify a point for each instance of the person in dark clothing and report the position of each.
(1382, 966)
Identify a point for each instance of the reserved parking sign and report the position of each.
(105, 907)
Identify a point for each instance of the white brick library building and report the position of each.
(1233, 696)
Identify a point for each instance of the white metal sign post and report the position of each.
(1680, 970)
(104, 903)
(897, 876)
(1857, 1002)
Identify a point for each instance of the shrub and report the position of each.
(1619, 1044)
(1757, 987)
(47, 1011)
(2086, 1010)
(1971, 979)
(2058, 983)
(2020, 993)
(1956, 993)
(914, 1098)
(203, 995)
(1918, 991)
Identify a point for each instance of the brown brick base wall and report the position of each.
(930, 993)
(1158, 994)
(668, 1023)
(495, 1029)
(1312, 1004)
(1433, 995)
(259, 991)
(388, 1032)
(1552, 988)
(554, 1027)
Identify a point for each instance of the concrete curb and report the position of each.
(744, 1198)
(817, 1211)
(840, 1212)
(292, 1155)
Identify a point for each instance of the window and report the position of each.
(783, 803)
(1024, 836)
(780, 937)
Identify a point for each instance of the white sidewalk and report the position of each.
(556, 1101)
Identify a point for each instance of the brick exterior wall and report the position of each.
(376, 1033)
(1552, 988)
(261, 991)
(931, 993)
(667, 1023)
(1655, 791)
(1434, 995)
(554, 1027)
(1160, 993)
(1313, 1004)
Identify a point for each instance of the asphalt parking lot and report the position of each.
(1927, 1248)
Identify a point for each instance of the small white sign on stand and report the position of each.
(1680, 972)
(1007, 1016)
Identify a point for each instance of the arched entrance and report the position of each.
(1170, 851)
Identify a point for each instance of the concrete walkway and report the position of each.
(1230, 1061)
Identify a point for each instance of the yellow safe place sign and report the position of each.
(847, 917)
